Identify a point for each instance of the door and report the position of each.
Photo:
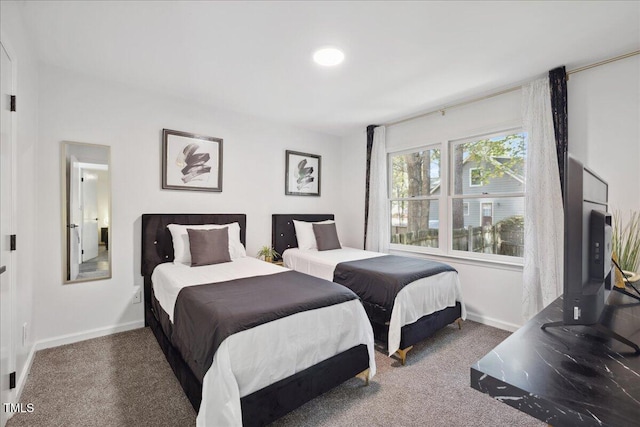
(7, 352)
(89, 184)
(487, 214)
(74, 222)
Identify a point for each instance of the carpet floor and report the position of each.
(124, 380)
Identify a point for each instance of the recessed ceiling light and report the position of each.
(328, 56)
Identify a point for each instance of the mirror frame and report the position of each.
(64, 229)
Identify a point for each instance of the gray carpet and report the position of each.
(124, 380)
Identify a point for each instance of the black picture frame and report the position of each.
(191, 162)
(302, 174)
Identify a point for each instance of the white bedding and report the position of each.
(252, 359)
(169, 278)
(417, 299)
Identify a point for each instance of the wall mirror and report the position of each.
(86, 212)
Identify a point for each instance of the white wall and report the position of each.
(604, 127)
(350, 212)
(604, 131)
(15, 38)
(77, 108)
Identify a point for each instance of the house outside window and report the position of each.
(488, 174)
(480, 212)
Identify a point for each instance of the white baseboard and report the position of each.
(511, 327)
(22, 380)
(86, 335)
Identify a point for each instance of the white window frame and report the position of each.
(446, 197)
(471, 184)
(465, 208)
(452, 196)
(440, 198)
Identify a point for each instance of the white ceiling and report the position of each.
(401, 57)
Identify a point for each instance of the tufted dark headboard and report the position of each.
(283, 233)
(157, 246)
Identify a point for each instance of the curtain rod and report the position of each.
(606, 61)
(441, 110)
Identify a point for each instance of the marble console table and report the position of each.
(568, 376)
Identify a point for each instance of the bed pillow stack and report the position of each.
(209, 246)
(182, 245)
(325, 238)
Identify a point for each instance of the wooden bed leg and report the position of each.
(459, 322)
(365, 376)
(403, 354)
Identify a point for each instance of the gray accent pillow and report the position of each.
(326, 236)
(209, 246)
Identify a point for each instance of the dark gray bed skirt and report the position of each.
(421, 329)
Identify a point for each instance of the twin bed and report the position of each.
(250, 341)
(401, 316)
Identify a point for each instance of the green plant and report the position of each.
(626, 240)
(267, 252)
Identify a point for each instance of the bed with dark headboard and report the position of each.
(283, 232)
(262, 406)
(284, 237)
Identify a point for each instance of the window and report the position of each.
(415, 197)
(475, 177)
(482, 204)
(493, 167)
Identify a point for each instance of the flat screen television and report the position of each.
(587, 244)
(587, 251)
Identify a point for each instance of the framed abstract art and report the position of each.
(191, 162)
(302, 174)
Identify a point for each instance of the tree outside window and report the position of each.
(415, 189)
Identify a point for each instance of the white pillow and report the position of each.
(305, 235)
(180, 237)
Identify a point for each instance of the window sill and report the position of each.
(488, 263)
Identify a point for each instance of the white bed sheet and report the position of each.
(255, 358)
(168, 278)
(420, 298)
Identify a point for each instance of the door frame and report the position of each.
(90, 230)
(74, 221)
(12, 262)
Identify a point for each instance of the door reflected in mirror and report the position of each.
(86, 212)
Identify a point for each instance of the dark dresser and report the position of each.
(568, 376)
